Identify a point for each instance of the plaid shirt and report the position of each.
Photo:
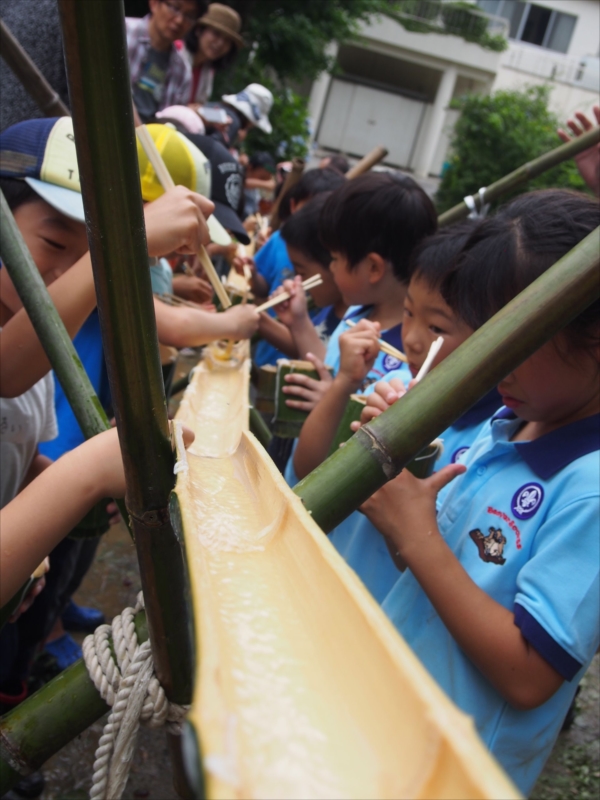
(178, 79)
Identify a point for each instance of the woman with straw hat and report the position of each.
(210, 46)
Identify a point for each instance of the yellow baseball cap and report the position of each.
(188, 167)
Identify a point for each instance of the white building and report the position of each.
(395, 85)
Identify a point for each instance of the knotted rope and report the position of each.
(126, 682)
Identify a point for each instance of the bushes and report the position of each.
(497, 133)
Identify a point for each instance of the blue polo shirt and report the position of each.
(523, 522)
(359, 542)
(273, 263)
(88, 344)
(384, 363)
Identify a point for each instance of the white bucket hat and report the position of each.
(254, 102)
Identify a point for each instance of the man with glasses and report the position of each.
(159, 75)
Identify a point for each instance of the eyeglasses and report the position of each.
(177, 11)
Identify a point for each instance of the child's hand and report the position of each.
(404, 509)
(243, 265)
(384, 395)
(310, 390)
(243, 320)
(176, 222)
(294, 309)
(358, 350)
(193, 288)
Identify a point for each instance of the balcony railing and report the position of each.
(552, 66)
(445, 16)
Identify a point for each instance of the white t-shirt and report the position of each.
(25, 421)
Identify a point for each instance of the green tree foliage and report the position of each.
(497, 133)
(286, 42)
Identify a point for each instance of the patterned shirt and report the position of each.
(176, 87)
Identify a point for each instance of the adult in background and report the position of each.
(160, 76)
(210, 46)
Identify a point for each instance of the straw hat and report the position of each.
(224, 19)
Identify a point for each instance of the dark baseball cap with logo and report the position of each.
(227, 186)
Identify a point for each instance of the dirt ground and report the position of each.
(113, 583)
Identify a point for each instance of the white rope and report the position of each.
(129, 685)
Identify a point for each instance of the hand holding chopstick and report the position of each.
(309, 283)
(166, 181)
(386, 348)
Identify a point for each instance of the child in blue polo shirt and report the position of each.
(370, 225)
(500, 600)
(427, 315)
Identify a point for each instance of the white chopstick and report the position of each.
(433, 351)
(309, 283)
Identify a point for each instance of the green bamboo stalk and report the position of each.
(48, 720)
(100, 91)
(523, 174)
(32, 80)
(260, 428)
(49, 326)
(380, 449)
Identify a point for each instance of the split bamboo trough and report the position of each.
(303, 689)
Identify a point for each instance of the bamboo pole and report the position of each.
(99, 85)
(367, 162)
(292, 179)
(49, 327)
(32, 80)
(521, 175)
(380, 449)
(48, 720)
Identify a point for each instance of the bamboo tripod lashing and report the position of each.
(520, 176)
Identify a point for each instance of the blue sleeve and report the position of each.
(273, 263)
(558, 599)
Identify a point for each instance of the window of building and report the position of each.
(532, 23)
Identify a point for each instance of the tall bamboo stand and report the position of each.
(100, 91)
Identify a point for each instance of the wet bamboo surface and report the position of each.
(303, 689)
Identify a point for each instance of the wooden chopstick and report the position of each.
(166, 181)
(309, 283)
(386, 348)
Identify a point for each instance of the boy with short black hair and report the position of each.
(370, 225)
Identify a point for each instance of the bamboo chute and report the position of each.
(304, 689)
(521, 175)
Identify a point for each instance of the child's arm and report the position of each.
(180, 326)
(174, 222)
(277, 334)
(404, 510)
(358, 349)
(51, 505)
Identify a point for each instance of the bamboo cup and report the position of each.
(288, 422)
(352, 414)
